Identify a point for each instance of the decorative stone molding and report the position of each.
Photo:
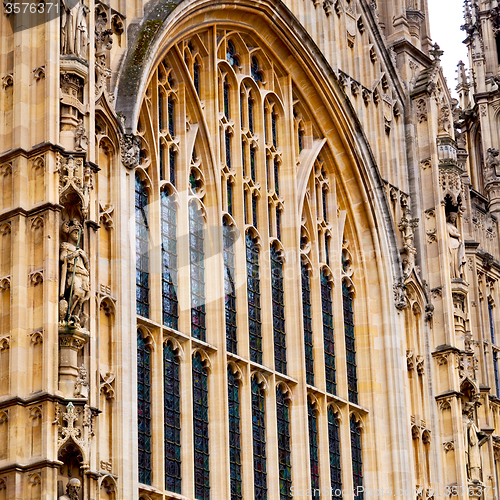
(130, 150)
(39, 73)
(7, 81)
(410, 360)
(107, 385)
(420, 364)
(400, 300)
(449, 446)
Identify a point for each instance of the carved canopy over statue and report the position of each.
(455, 246)
(75, 277)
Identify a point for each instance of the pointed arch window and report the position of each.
(278, 300)
(356, 454)
(350, 345)
(254, 307)
(196, 76)
(141, 248)
(313, 448)
(259, 440)
(144, 408)
(169, 260)
(307, 320)
(197, 255)
(171, 116)
(225, 92)
(230, 288)
(234, 435)
(172, 418)
(227, 145)
(494, 351)
(284, 448)
(329, 344)
(200, 427)
(334, 449)
(231, 57)
(255, 70)
(172, 155)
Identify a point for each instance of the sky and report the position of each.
(446, 17)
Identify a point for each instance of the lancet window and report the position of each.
(141, 248)
(334, 450)
(230, 288)
(200, 428)
(278, 302)
(313, 447)
(356, 456)
(284, 437)
(307, 322)
(234, 435)
(328, 338)
(144, 413)
(172, 418)
(259, 440)
(494, 351)
(254, 306)
(350, 346)
(197, 255)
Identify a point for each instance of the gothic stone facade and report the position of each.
(248, 249)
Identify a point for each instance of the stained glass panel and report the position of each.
(172, 419)
(259, 441)
(171, 116)
(334, 448)
(356, 454)
(278, 302)
(284, 449)
(234, 435)
(141, 248)
(230, 289)
(307, 320)
(200, 424)
(197, 256)
(144, 409)
(313, 449)
(169, 260)
(329, 344)
(254, 308)
(350, 345)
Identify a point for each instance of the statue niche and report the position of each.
(74, 29)
(75, 277)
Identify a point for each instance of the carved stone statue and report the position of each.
(455, 246)
(75, 282)
(74, 32)
(492, 165)
(72, 490)
(130, 149)
(474, 439)
(81, 385)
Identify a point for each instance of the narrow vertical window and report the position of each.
(259, 441)
(334, 448)
(172, 419)
(350, 345)
(171, 116)
(197, 254)
(254, 211)
(231, 54)
(327, 308)
(230, 197)
(141, 248)
(276, 176)
(172, 164)
(234, 435)
(229, 288)
(227, 143)
(250, 115)
(252, 164)
(278, 223)
(325, 205)
(278, 311)
(357, 462)
(144, 409)
(300, 134)
(254, 309)
(169, 261)
(160, 110)
(307, 320)
(200, 427)
(244, 159)
(226, 99)
(494, 352)
(284, 449)
(162, 160)
(274, 129)
(196, 77)
(313, 448)
(255, 70)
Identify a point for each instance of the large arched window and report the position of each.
(144, 413)
(141, 248)
(259, 440)
(200, 428)
(233, 389)
(172, 418)
(169, 260)
(284, 443)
